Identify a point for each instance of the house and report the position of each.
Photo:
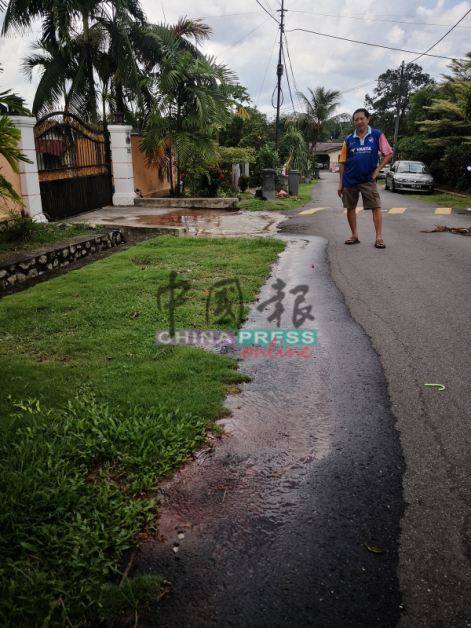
(326, 152)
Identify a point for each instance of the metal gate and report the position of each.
(73, 164)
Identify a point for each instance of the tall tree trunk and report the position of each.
(171, 171)
(119, 97)
(91, 80)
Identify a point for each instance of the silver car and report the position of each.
(410, 176)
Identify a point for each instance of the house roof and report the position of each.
(326, 147)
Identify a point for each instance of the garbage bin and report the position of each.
(307, 176)
(293, 182)
(316, 173)
(268, 183)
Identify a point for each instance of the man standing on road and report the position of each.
(358, 171)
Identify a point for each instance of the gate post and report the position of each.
(121, 155)
(29, 177)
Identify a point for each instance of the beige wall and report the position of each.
(11, 177)
(146, 179)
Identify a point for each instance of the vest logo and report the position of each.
(370, 139)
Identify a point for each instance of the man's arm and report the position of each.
(386, 151)
(342, 161)
(341, 171)
(386, 159)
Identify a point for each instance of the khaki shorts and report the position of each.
(369, 194)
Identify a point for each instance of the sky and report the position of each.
(245, 39)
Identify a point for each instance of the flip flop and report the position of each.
(352, 240)
(379, 244)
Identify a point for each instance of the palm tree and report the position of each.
(320, 116)
(9, 138)
(100, 20)
(193, 100)
(293, 147)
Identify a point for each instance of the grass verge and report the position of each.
(42, 235)
(93, 415)
(448, 200)
(292, 202)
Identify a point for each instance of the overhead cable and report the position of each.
(241, 39)
(266, 71)
(441, 38)
(371, 19)
(287, 78)
(364, 43)
(266, 11)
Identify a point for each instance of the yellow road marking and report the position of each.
(397, 210)
(311, 211)
(443, 210)
(358, 209)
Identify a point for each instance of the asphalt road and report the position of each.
(412, 299)
(267, 528)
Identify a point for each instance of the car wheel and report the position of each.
(386, 186)
(432, 191)
(393, 186)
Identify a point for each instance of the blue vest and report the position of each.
(361, 160)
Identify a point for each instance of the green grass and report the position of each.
(448, 200)
(93, 415)
(43, 235)
(292, 202)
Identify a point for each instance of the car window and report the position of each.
(406, 166)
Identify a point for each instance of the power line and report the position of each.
(370, 19)
(272, 16)
(292, 73)
(287, 78)
(441, 38)
(266, 71)
(206, 17)
(364, 43)
(241, 39)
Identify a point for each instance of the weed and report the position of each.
(62, 531)
(256, 204)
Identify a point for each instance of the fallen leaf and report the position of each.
(312, 266)
(75, 295)
(135, 314)
(375, 550)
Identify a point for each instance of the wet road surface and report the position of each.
(268, 527)
(413, 301)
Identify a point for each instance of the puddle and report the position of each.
(183, 216)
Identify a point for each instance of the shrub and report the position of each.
(416, 149)
(244, 182)
(455, 163)
(20, 227)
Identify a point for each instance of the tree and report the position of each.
(9, 138)
(319, 118)
(99, 20)
(193, 100)
(293, 148)
(382, 105)
(449, 117)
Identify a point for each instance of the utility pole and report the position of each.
(398, 114)
(279, 71)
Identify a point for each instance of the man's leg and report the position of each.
(352, 221)
(378, 221)
(350, 200)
